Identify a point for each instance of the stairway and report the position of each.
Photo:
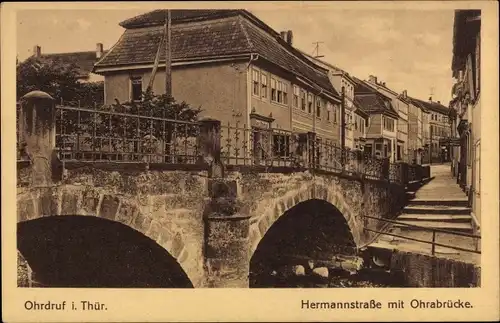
(445, 214)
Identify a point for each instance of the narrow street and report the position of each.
(439, 204)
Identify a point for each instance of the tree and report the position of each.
(59, 79)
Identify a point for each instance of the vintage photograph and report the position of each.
(238, 148)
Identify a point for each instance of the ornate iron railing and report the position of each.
(274, 147)
(103, 134)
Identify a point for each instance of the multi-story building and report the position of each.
(233, 65)
(355, 119)
(417, 134)
(381, 135)
(401, 104)
(466, 104)
(437, 139)
(360, 127)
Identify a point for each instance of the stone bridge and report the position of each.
(211, 227)
(105, 224)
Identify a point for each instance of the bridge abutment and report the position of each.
(226, 236)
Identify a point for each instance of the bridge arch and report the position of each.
(87, 251)
(267, 212)
(108, 211)
(311, 230)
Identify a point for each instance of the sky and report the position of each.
(406, 49)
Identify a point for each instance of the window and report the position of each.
(335, 114)
(296, 91)
(281, 145)
(318, 107)
(279, 91)
(263, 80)
(136, 82)
(309, 103)
(388, 124)
(329, 109)
(284, 89)
(356, 123)
(274, 92)
(255, 82)
(303, 100)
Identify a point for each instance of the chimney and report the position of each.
(383, 83)
(405, 94)
(289, 37)
(372, 79)
(439, 102)
(283, 35)
(430, 99)
(99, 50)
(37, 51)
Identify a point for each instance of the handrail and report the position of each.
(426, 228)
(424, 241)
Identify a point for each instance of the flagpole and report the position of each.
(168, 55)
(157, 59)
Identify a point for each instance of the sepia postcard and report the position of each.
(250, 161)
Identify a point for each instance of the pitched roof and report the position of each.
(372, 103)
(157, 17)
(433, 106)
(399, 96)
(83, 60)
(203, 35)
(361, 87)
(371, 100)
(330, 66)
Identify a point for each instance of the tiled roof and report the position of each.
(330, 66)
(212, 38)
(363, 87)
(399, 96)
(374, 104)
(433, 106)
(372, 101)
(83, 60)
(157, 17)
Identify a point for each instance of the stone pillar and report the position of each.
(38, 128)
(210, 146)
(227, 243)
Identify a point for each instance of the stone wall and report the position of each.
(165, 206)
(421, 270)
(264, 197)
